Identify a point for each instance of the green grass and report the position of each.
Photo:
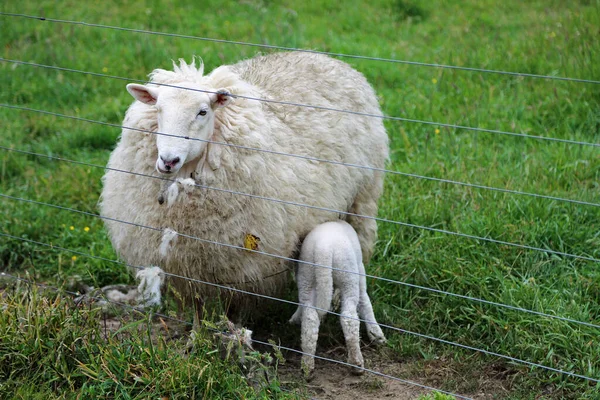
(63, 350)
(540, 37)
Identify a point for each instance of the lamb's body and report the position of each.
(334, 245)
(228, 218)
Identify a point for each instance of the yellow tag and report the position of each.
(251, 242)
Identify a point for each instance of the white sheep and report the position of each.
(218, 110)
(335, 245)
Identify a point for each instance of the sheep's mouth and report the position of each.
(163, 171)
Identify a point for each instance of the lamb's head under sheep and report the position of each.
(184, 112)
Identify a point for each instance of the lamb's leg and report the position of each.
(297, 317)
(310, 335)
(365, 203)
(302, 297)
(305, 279)
(351, 327)
(365, 311)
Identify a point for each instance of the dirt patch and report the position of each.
(335, 381)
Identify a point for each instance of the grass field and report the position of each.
(552, 37)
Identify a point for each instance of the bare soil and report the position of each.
(335, 381)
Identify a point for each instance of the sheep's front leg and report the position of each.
(351, 328)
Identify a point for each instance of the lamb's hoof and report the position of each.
(161, 199)
(296, 318)
(358, 362)
(357, 371)
(376, 335)
(379, 340)
(308, 367)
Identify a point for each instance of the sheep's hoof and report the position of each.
(161, 199)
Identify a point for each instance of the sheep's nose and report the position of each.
(170, 163)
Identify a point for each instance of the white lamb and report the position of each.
(336, 245)
(219, 113)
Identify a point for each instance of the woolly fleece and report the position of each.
(227, 218)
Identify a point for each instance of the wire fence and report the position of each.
(267, 344)
(245, 292)
(459, 234)
(272, 47)
(298, 204)
(322, 108)
(383, 279)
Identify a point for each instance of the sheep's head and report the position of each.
(182, 115)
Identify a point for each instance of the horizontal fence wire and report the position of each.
(531, 364)
(391, 327)
(293, 203)
(405, 224)
(375, 277)
(323, 108)
(441, 180)
(328, 53)
(514, 308)
(271, 345)
(366, 167)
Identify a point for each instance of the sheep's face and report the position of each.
(186, 120)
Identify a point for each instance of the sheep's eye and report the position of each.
(202, 112)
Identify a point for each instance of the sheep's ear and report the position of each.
(221, 98)
(143, 93)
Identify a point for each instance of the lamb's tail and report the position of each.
(324, 283)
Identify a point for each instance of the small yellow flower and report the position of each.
(87, 229)
(434, 81)
(72, 228)
(437, 131)
(105, 70)
(74, 258)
